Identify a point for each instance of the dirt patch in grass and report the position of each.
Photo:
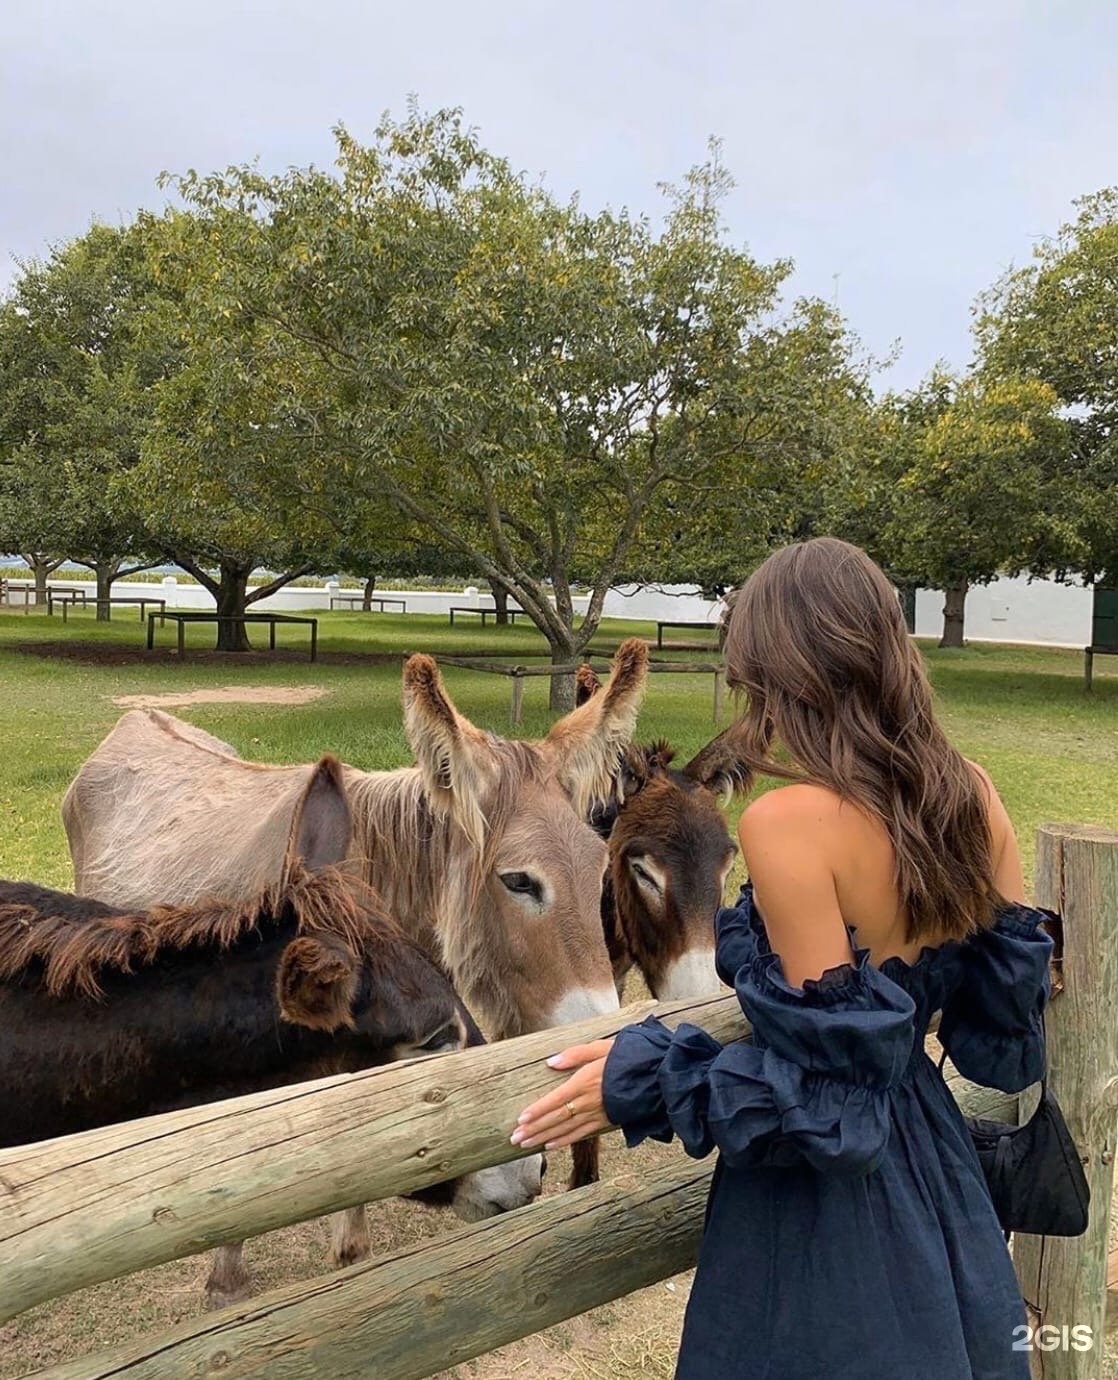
(227, 694)
(113, 654)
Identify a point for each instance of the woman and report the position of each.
(849, 1231)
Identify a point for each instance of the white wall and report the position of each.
(292, 599)
(1015, 610)
(1010, 610)
(665, 602)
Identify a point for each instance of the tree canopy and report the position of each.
(421, 361)
(1056, 321)
(76, 368)
(542, 391)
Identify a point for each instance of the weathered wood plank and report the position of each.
(441, 1302)
(1077, 876)
(82, 1209)
(445, 1301)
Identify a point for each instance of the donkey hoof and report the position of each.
(351, 1253)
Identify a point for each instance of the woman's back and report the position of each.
(806, 845)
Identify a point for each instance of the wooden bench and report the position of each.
(122, 601)
(514, 613)
(24, 587)
(182, 619)
(380, 599)
(668, 623)
(518, 674)
(65, 596)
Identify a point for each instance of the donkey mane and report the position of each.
(76, 941)
(410, 837)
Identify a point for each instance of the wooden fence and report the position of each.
(87, 1208)
(518, 674)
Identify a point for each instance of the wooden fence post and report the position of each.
(719, 685)
(1064, 1279)
(517, 710)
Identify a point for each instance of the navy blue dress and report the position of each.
(849, 1232)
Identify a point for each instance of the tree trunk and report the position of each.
(367, 598)
(908, 604)
(42, 566)
(954, 606)
(562, 699)
(232, 599)
(501, 601)
(105, 573)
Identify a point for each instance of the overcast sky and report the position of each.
(902, 153)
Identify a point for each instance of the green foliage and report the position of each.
(1056, 321)
(76, 365)
(544, 393)
(979, 494)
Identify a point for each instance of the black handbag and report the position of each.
(1033, 1172)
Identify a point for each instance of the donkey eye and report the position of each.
(643, 875)
(522, 884)
(449, 1037)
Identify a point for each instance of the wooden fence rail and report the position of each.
(433, 1305)
(87, 1208)
(519, 673)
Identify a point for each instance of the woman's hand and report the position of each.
(574, 1110)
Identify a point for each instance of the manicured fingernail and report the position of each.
(553, 1061)
(522, 1118)
(516, 1137)
(551, 1145)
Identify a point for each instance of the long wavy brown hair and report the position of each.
(838, 695)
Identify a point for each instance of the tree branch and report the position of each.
(274, 586)
(193, 568)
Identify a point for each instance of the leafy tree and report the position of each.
(1056, 321)
(953, 484)
(498, 366)
(978, 495)
(74, 374)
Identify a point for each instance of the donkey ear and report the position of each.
(322, 826)
(589, 741)
(587, 684)
(720, 768)
(316, 984)
(452, 755)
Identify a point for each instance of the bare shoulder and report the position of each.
(786, 818)
(786, 805)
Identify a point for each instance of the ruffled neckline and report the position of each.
(1014, 919)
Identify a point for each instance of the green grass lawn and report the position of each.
(1052, 749)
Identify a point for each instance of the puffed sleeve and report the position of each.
(813, 1086)
(991, 1024)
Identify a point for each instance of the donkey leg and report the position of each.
(584, 1164)
(349, 1237)
(229, 1281)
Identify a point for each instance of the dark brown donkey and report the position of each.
(669, 856)
(107, 1014)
